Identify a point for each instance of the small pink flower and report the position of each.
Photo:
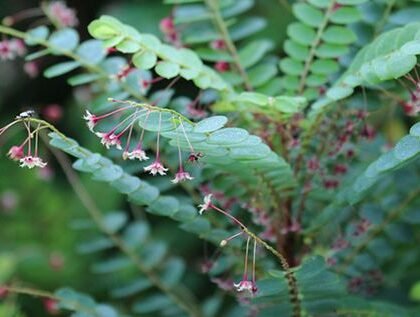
(91, 120)
(246, 285)
(51, 306)
(62, 14)
(53, 112)
(181, 176)
(30, 161)
(218, 44)
(222, 66)
(3, 292)
(31, 69)
(16, 153)
(138, 154)
(6, 51)
(313, 164)
(166, 25)
(110, 139)
(206, 205)
(56, 261)
(18, 47)
(156, 168)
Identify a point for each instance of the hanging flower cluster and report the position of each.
(245, 284)
(27, 152)
(120, 136)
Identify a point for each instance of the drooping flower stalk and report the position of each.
(157, 167)
(181, 175)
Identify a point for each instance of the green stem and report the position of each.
(44, 294)
(190, 307)
(176, 114)
(90, 67)
(220, 24)
(291, 280)
(314, 46)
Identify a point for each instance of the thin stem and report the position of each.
(253, 260)
(314, 46)
(291, 280)
(158, 138)
(96, 215)
(28, 291)
(245, 277)
(92, 68)
(154, 108)
(224, 32)
(186, 137)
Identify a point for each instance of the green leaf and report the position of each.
(228, 136)
(296, 51)
(262, 73)
(36, 35)
(132, 288)
(291, 67)
(253, 52)
(308, 14)
(210, 124)
(346, 15)
(128, 46)
(339, 35)
(82, 79)
(415, 292)
(145, 59)
(246, 27)
(114, 221)
(151, 304)
(105, 28)
(60, 69)
(167, 69)
(63, 40)
(301, 33)
(325, 67)
(91, 51)
(165, 206)
(326, 50)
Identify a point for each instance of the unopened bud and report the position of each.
(223, 243)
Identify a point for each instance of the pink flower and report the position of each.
(62, 14)
(31, 69)
(30, 161)
(218, 44)
(110, 139)
(91, 120)
(156, 168)
(246, 285)
(206, 205)
(51, 306)
(135, 154)
(222, 66)
(181, 176)
(166, 25)
(6, 51)
(18, 47)
(16, 153)
(53, 112)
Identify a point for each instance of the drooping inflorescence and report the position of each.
(27, 152)
(134, 119)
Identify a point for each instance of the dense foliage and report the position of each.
(291, 154)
